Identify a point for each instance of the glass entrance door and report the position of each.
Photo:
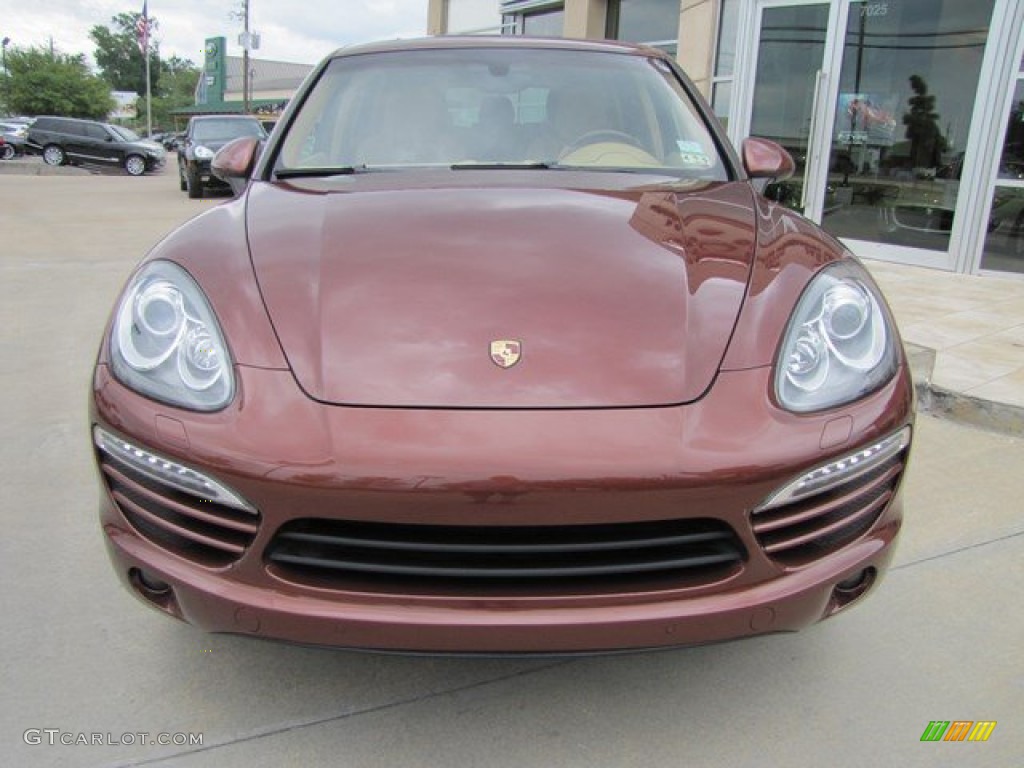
(908, 76)
(787, 97)
(874, 100)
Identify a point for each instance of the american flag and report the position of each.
(142, 28)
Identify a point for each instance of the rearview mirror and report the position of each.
(765, 159)
(234, 161)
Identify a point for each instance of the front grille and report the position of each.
(351, 554)
(802, 530)
(202, 530)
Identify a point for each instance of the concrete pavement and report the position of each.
(940, 639)
(965, 335)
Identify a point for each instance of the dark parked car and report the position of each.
(500, 350)
(172, 141)
(13, 136)
(204, 136)
(62, 140)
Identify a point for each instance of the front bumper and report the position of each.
(713, 459)
(586, 625)
(202, 170)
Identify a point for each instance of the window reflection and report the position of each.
(790, 51)
(544, 24)
(641, 21)
(1004, 243)
(727, 27)
(721, 101)
(1011, 163)
(910, 73)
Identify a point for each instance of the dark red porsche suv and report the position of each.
(500, 350)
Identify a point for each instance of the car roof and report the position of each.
(497, 41)
(69, 119)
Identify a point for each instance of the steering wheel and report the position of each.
(599, 136)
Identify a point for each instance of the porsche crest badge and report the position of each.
(506, 352)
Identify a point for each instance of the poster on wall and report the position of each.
(865, 118)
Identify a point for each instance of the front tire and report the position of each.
(134, 165)
(195, 184)
(182, 184)
(54, 155)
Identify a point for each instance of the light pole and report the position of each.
(245, 61)
(7, 83)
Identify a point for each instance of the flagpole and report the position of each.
(142, 30)
(149, 100)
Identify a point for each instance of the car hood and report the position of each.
(401, 297)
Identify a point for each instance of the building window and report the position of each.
(1004, 241)
(473, 17)
(544, 23)
(537, 18)
(725, 59)
(653, 22)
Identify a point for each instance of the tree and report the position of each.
(178, 78)
(118, 56)
(926, 140)
(53, 83)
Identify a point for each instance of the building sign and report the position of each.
(866, 118)
(211, 85)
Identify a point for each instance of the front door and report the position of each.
(874, 99)
(789, 80)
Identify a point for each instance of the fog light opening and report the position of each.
(853, 586)
(150, 587)
(154, 591)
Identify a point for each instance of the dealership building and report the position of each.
(905, 117)
(219, 89)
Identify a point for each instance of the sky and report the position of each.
(302, 32)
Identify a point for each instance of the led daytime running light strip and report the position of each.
(168, 472)
(840, 471)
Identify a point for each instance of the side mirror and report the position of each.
(765, 159)
(234, 161)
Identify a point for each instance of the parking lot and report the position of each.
(942, 639)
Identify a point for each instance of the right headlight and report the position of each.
(839, 344)
(166, 344)
(203, 153)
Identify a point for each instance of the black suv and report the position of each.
(63, 140)
(205, 135)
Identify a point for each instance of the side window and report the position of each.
(97, 132)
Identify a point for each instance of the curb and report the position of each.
(956, 406)
(29, 168)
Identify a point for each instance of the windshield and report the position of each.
(495, 107)
(226, 130)
(125, 133)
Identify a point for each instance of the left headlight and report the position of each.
(839, 343)
(165, 342)
(203, 153)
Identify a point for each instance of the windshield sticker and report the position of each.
(691, 153)
(689, 147)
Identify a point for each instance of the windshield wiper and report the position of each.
(313, 171)
(528, 166)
